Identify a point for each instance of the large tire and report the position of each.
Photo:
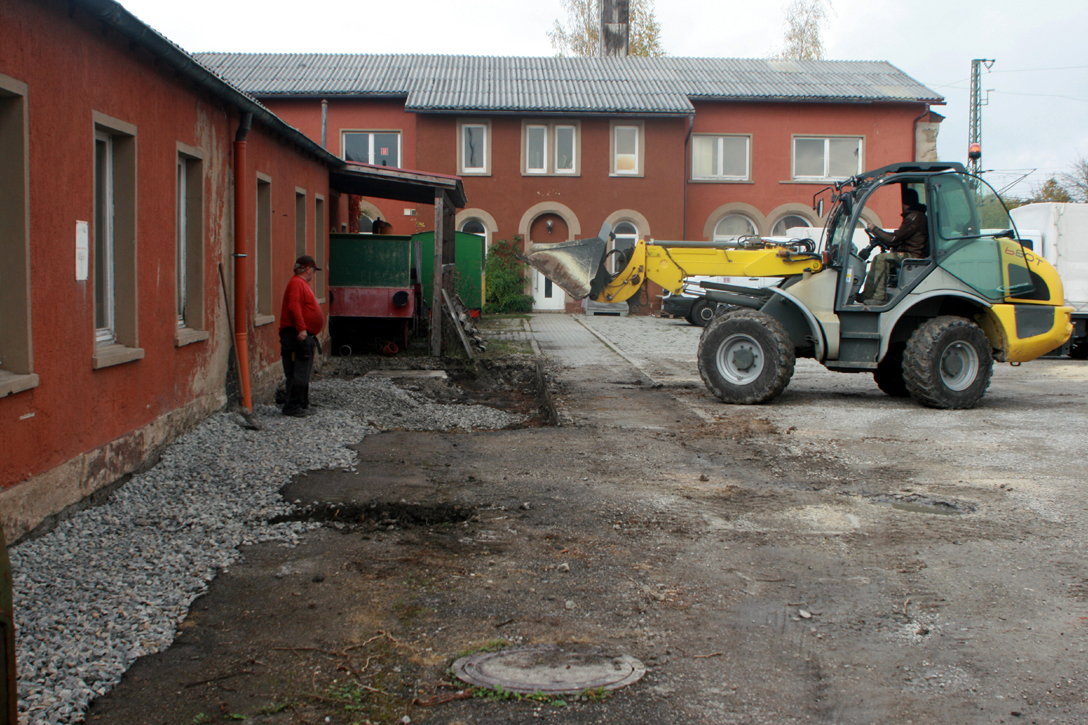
(948, 363)
(746, 357)
(702, 312)
(889, 373)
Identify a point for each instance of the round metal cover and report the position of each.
(549, 669)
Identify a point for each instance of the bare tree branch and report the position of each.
(804, 23)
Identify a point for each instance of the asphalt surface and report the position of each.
(836, 556)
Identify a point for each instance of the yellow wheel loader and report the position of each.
(977, 296)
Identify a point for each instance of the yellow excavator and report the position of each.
(978, 296)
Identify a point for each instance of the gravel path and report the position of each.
(112, 583)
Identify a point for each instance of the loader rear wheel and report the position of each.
(889, 373)
(948, 363)
(746, 357)
(702, 312)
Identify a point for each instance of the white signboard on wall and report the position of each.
(83, 236)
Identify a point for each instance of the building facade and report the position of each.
(117, 229)
(551, 148)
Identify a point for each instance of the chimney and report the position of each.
(615, 28)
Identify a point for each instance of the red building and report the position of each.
(550, 148)
(146, 208)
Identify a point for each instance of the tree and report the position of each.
(581, 35)
(1076, 181)
(1050, 190)
(804, 23)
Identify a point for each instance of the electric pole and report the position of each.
(974, 133)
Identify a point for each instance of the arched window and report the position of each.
(788, 222)
(626, 238)
(733, 226)
(474, 226)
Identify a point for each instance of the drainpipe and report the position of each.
(324, 124)
(687, 162)
(241, 259)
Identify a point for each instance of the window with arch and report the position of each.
(626, 235)
(787, 222)
(474, 226)
(732, 226)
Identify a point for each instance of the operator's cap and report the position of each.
(307, 261)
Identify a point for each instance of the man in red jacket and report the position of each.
(301, 320)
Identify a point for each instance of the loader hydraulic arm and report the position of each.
(668, 263)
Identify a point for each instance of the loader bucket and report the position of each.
(574, 266)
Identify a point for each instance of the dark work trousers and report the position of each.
(298, 363)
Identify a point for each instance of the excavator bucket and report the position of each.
(575, 266)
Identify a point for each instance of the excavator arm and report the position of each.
(581, 267)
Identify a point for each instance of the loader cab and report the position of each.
(970, 234)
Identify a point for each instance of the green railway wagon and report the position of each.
(469, 262)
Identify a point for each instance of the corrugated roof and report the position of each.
(564, 85)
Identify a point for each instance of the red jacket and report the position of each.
(300, 309)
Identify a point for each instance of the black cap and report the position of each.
(307, 261)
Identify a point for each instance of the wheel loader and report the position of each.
(977, 296)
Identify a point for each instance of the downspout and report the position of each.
(687, 162)
(241, 259)
(914, 134)
(324, 124)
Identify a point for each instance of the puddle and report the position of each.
(922, 504)
(397, 515)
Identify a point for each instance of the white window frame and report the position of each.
(827, 156)
(485, 150)
(543, 128)
(573, 152)
(719, 174)
(616, 127)
(550, 150)
(344, 133)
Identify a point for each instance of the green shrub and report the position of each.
(506, 279)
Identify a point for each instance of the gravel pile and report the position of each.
(112, 583)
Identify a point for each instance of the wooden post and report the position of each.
(440, 216)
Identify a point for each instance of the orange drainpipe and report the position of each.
(241, 259)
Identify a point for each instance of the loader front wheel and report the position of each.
(746, 357)
(948, 363)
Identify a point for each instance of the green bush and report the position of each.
(506, 279)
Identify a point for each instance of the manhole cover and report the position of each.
(549, 669)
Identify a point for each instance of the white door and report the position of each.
(547, 296)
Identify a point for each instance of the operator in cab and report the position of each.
(909, 241)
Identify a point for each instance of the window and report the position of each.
(319, 245)
(786, 223)
(826, 158)
(536, 149)
(475, 145)
(626, 150)
(550, 149)
(564, 149)
(626, 235)
(720, 158)
(114, 247)
(16, 353)
(300, 223)
(474, 226)
(262, 262)
(189, 270)
(733, 226)
(380, 148)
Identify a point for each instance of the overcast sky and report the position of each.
(1036, 120)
